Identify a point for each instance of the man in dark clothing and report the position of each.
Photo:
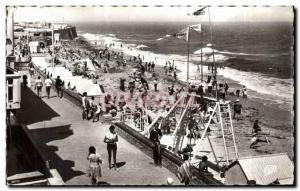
(171, 90)
(149, 66)
(237, 109)
(226, 88)
(155, 136)
(59, 85)
(256, 127)
(152, 66)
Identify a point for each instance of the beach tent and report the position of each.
(58, 71)
(80, 84)
(40, 62)
(89, 64)
(68, 79)
(94, 90)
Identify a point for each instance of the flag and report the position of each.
(196, 27)
(200, 11)
(186, 32)
(183, 34)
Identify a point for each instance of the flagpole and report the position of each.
(201, 58)
(188, 54)
(52, 48)
(213, 53)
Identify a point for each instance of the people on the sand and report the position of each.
(155, 136)
(59, 86)
(155, 82)
(226, 88)
(111, 139)
(244, 91)
(237, 109)
(38, 86)
(48, 84)
(171, 90)
(238, 92)
(94, 170)
(256, 128)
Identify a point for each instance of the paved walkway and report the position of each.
(64, 138)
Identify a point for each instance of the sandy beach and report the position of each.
(273, 118)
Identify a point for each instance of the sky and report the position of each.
(151, 14)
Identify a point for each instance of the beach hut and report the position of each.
(94, 90)
(89, 64)
(34, 46)
(261, 170)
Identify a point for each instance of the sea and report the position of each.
(259, 55)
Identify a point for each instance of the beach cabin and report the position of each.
(13, 89)
(56, 37)
(261, 170)
(34, 46)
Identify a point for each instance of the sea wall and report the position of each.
(67, 34)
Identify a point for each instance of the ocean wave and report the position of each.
(142, 46)
(280, 88)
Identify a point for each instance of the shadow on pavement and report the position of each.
(120, 164)
(34, 109)
(46, 135)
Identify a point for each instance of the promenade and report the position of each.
(64, 138)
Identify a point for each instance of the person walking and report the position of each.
(59, 85)
(85, 106)
(111, 139)
(38, 86)
(25, 81)
(155, 136)
(48, 84)
(94, 170)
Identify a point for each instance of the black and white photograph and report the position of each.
(150, 95)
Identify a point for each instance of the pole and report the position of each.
(188, 54)
(213, 53)
(12, 33)
(52, 48)
(201, 59)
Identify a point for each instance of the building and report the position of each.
(13, 89)
(261, 170)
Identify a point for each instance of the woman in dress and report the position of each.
(94, 170)
(111, 138)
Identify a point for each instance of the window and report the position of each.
(10, 89)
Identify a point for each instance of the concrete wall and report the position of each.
(67, 33)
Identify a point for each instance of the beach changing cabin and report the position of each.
(34, 46)
(261, 170)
